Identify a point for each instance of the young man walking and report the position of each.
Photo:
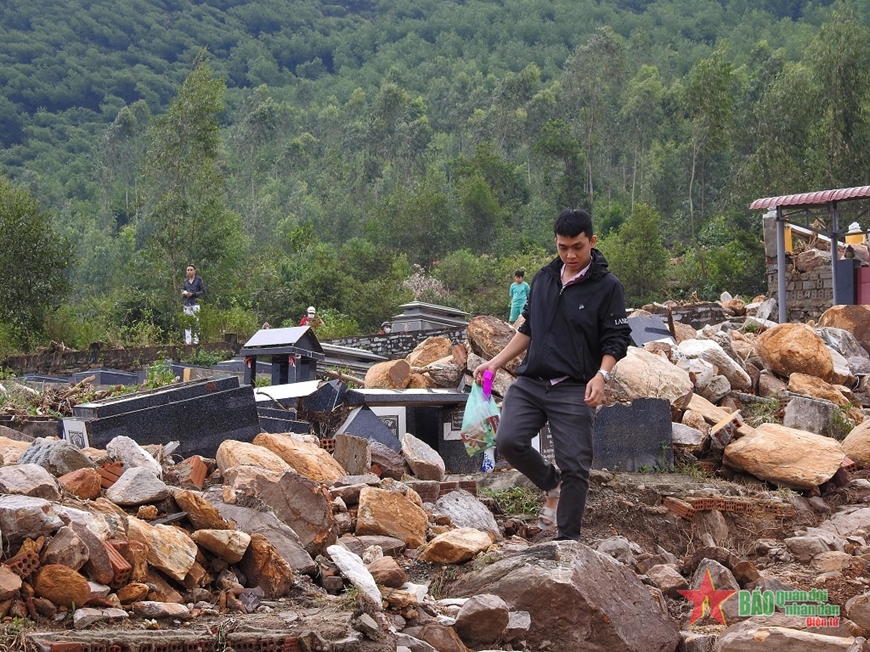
(575, 331)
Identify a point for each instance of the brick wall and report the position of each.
(808, 294)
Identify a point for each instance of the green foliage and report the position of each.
(204, 358)
(32, 263)
(321, 150)
(514, 501)
(159, 374)
(636, 255)
(759, 412)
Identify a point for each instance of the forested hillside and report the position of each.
(355, 155)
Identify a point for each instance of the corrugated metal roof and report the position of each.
(817, 198)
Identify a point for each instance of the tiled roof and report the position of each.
(819, 197)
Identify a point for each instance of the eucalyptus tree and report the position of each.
(185, 219)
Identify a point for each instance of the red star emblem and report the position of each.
(707, 600)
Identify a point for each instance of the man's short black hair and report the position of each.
(571, 222)
(520, 272)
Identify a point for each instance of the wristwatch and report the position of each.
(605, 374)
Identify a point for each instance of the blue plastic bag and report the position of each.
(480, 421)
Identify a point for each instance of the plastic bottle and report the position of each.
(486, 386)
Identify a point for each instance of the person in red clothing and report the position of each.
(311, 318)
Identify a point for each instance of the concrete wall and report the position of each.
(392, 346)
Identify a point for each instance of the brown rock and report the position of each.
(443, 639)
(353, 454)
(855, 319)
(789, 348)
(456, 546)
(857, 445)
(488, 336)
(684, 332)
(392, 374)
(161, 590)
(83, 483)
(236, 453)
(780, 455)
(265, 568)
(66, 548)
(169, 548)
(429, 350)
(200, 512)
(10, 583)
(229, 545)
(482, 619)
(734, 307)
(391, 514)
(11, 449)
(641, 374)
(444, 372)
(816, 387)
(307, 459)
(387, 572)
(62, 585)
(133, 592)
(387, 463)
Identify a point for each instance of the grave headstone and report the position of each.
(327, 397)
(649, 328)
(635, 437)
(362, 422)
(199, 415)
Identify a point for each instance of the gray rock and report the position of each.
(264, 522)
(810, 414)
(587, 599)
(352, 567)
(57, 456)
(424, 460)
(620, 549)
(482, 619)
(519, 623)
(88, 616)
(465, 510)
(23, 517)
(132, 455)
(137, 486)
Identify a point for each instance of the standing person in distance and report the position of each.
(575, 331)
(193, 289)
(519, 293)
(311, 319)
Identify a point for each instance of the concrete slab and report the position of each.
(199, 422)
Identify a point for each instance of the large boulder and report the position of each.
(856, 445)
(855, 319)
(306, 458)
(488, 336)
(789, 348)
(641, 374)
(782, 455)
(591, 600)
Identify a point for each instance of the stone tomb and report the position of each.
(431, 415)
(198, 414)
(294, 353)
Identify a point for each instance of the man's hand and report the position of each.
(478, 371)
(595, 391)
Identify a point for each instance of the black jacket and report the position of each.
(571, 330)
(196, 286)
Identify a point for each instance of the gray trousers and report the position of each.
(528, 404)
